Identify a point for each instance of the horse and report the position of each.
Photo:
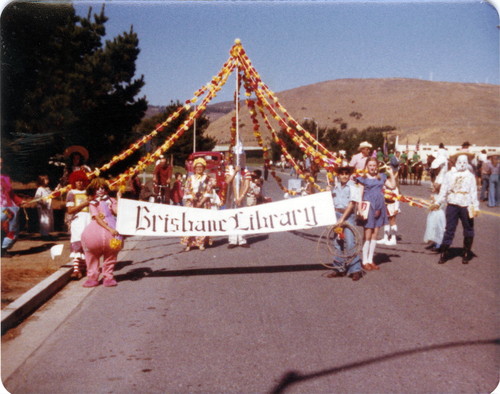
(403, 174)
(416, 173)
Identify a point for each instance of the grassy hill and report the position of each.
(435, 112)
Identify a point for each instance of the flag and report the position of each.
(418, 145)
(385, 148)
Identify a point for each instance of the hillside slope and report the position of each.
(435, 112)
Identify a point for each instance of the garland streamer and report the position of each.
(266, 100)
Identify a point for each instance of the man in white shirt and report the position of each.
(459, 191)
(358, 161)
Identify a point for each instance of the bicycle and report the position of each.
(162, 195)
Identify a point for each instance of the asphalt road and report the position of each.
(266, 319)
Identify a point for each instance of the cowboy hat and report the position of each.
(365, 144)
(491, 154)
(76, 148)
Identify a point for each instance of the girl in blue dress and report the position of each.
(372, 189)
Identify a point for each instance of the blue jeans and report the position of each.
(485, 181)
(341, 264)
(493, 192)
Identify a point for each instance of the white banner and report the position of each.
(145, 218)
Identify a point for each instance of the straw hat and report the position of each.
(76, 148)
(199, 160)
(455, 155)
(491, 154)
(365, 144)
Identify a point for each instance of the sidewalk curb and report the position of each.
(17, 311)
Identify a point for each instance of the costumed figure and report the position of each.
(254, 193)
(78, 217)
(344, 200)
(197, 193)
(100, 238)
(435, 224)
(10, 203)
(439, 166)
(75, 156)
(44, 207)
(372, 185)
(459, 191)
(238, 182)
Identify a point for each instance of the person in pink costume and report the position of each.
(100, 238)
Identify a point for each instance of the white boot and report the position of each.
(384, 240)
(392, 236)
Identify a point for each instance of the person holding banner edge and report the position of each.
(345, 206)
(372, 184)
(238, 184)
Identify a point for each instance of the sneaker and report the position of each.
(109, 282)
(91, 283)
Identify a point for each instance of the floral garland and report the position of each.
(257, 83)
(214, 87)
(277, 140)
(252, 83)
(411, 201)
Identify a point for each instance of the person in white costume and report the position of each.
(459, 191)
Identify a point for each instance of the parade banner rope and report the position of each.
(149, 219)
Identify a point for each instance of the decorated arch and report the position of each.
(264, 109)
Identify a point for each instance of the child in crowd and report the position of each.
(44, 207)
(308, 187)
(344, 200)
(436, 223)
(77, 207)
(391, 229)
(177, 189)
(372, 185)
(100, 238)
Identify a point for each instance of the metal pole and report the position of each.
(317, 137)
(194, 132)
(237, 178)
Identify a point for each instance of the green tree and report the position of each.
(61, 86)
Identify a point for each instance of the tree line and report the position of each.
(63, 84)
(336, 138)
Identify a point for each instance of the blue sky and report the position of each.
(295, 43)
